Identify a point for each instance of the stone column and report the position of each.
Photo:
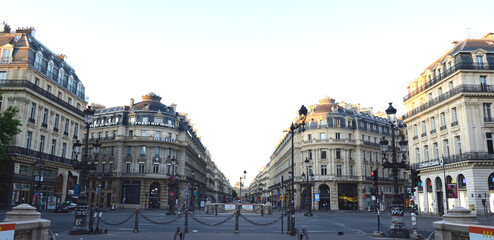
(28, 223)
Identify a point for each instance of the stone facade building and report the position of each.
(341, 142)
(50, 99)
(450, 128)
(151, 157)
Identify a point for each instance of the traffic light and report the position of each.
(374, 177)
(415, 179)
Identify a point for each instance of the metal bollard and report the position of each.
(281, 221)
(216, 210)
(262, 210)
(136, 225)
(288, 222)
(237, 214)
(186, 226)
(91, 220)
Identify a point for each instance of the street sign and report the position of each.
(316, 197)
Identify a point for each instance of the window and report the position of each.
(141, 167)
(49, 70)
(48, 89)
(156, 168)
(29, 137)
(490, 143)
(487, 112)
(338, 170)
(439, 92)
(76, 130)
(145, 119)
(415, 131)
(32, 113)
(158, 120)
(142, 150)
(144, 133)
(64, 149)
(336, 122)
(55, 125)
(483, 83)
(351, 170)
(156, 151)
(168, 169)
(323, 135)
(480, 61)
(430, 97)
(443, 120)
(338, 153)
(132, 120)
(363, 154)
(417, 155)
(323, 154)
(103, 167)
(110, 170)
(309, 154)
(107, 134)
(66, 129)
(309, 137)
(454, 117)
(129, 150)
(457, 145)
(6, 56)
(436, 150)
(59, 95)
(69, 101)
(349, 136)
(127, 167)
(157, 134)
(45, 117)
(350, 153)
(337, 135)
(324, 170)
(131, 133)
(426, 153)
(42, 144)
(424, 129)
(53, 146)
(445, 147)
(3, 76)
(433, 125)
(310, 171)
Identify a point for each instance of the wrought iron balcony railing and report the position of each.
(36, 154)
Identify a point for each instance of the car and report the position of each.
(66, 207)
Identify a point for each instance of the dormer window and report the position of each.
(146, 107)
(37, 61)
(6, 56)
(480, 60)
(158, 120)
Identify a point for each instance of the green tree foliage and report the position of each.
(234, 193)
(9, 127)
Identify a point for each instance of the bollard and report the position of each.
(136, 224)
(186, 226)
(281, 221)
(91, 219)
(262, 210)
(216, 210)
(237, 214)
(177, 230)
(288, 222)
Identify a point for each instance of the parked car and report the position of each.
(66, 207)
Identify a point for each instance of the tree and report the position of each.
(234, 194)
(9, 127)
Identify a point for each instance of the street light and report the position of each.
(172, 187)
(309, 181)
(240, 186)
(397, 228)
(39, 165)
(81, 209)
(302, 112)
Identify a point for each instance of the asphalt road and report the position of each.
(323, 225)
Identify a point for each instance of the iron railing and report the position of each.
(460, 158)
(44, 93)
(447, 73)
(40, 155)
(459, 89)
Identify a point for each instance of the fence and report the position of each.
(186, 214)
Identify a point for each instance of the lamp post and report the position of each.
(81, 210)
(96, 148)
(309, 181)
(397, 228)
(302, 112)
(240, 187)
(39, 165)
(172, 186)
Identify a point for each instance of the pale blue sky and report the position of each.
(242, 69)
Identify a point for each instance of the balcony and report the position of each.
(443, 127)
(415, 137)
(456, 158)
(488, 119)
(5, 60)
(455, 123)
(433, 131)
(31, 153)
(424, 134)
(464, 88)
(447, 73)
(31, 120)
(42, 92)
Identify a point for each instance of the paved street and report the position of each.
(323, 225)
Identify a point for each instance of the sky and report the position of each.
(242, 69)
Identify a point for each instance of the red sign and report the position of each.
(171, 194)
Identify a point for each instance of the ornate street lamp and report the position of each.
(173, 189)
(302, 112)
(397, 228)
(240, 187)
(81, 210)
(39, 166)
(309, 186)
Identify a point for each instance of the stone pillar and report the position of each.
(28, 223)
(456, 223)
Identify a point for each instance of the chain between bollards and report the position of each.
(136, 224)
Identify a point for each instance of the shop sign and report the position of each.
(429, 164)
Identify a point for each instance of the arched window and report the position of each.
(429, 185)
(491, 181)
(439, 184)
(462, 182)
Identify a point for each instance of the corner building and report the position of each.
(139, 144)
(341, 142)
(449, 121)
(50, 99)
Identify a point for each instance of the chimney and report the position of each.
(131, 102)
(62, 56)
(4, 28)
(30, 30)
